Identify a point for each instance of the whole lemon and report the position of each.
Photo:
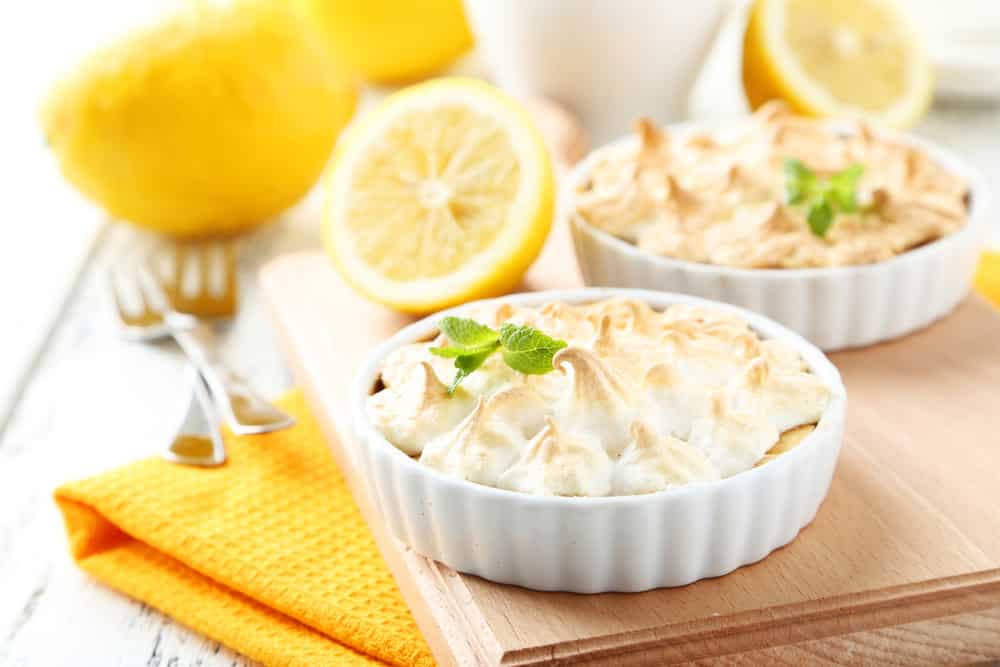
(210, 122)
(393, 41)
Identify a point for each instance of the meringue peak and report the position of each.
(414, 412)
(548, 442)
(772, 111)
(520, 406)
(557, 462)
(661, 375)
(733, 440)
(685, 201)
(469, 426)
(593, 380)
(433, 388)
(651, 137)
(785, 396)
(757, 372)
(652, 462)
(625, 314)
(739, 177)
(717, 405)
(599, 401)
(604, 341)
(643, 436)
(478, 449)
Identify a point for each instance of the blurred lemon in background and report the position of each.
(837, 58)
(210, 122)
(442, 195)
(392, 41)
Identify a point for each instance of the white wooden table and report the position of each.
(75, 400)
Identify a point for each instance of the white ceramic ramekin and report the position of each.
(590, 545)
(834, 308)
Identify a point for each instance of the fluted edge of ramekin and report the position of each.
(591, 545)
(834, 308)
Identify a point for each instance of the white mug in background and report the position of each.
(606, 60)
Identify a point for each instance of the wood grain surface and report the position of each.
(901, 565)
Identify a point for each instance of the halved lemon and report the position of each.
(442, 195)
(837, 58)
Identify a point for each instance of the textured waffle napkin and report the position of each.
(267, 554)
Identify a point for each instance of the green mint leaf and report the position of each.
(527, 349)
(464, 332)
(466, 365)
(820, 217)
(843, 188)
(452, 351)
(823, 198)
(800, 181)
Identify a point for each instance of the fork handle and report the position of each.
(244, 409)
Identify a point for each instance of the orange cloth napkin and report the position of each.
(267, 554)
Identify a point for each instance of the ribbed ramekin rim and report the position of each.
(833, 416)
(979, 205)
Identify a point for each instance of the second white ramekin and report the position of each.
(590, 545)
(834, 308)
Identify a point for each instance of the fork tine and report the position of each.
(114, 290)
(202, 282)
(181, 269)
(138, 317)
(170, 276)
(173, 281)
(165, 261)
(153, 298)
(203, 260)
(218, 279)
(230, 279)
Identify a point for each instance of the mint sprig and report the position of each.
(822, 198)
(524, 348)
(467, 333)
(466, 364)
(527, 349)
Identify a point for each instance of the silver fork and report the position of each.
(198, 440)
(179, 304)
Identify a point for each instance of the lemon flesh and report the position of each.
(442, 195)
(837, 58)
(208, 123)
(392, 41)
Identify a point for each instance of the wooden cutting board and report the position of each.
(901, 565)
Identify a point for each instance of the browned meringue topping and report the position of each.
(720, 198)
(640, 400)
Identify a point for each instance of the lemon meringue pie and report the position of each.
(723, 198)
(638, 401)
